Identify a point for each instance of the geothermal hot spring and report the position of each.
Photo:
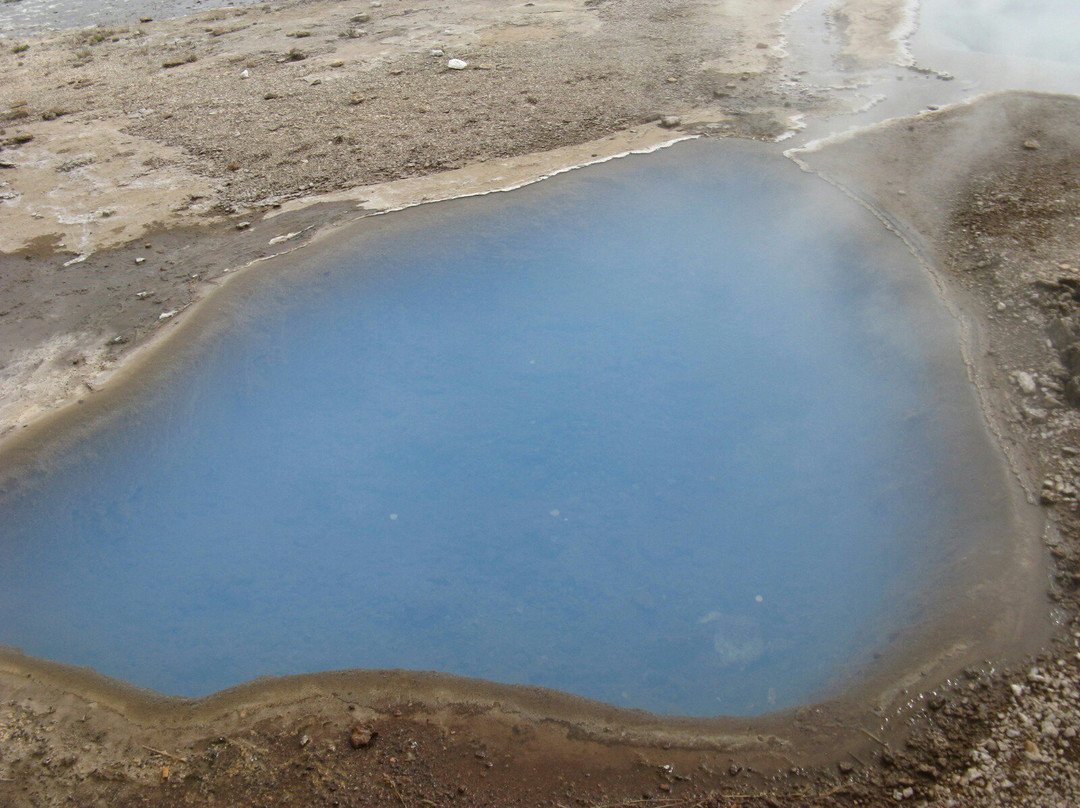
(687, 432)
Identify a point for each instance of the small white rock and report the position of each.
(245, 73)
(436, 51)
(1026, 382)
(457, 64)
(140, 260)
(165, 315)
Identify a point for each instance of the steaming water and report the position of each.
(685, 432)
(1032, 29)
(996, 45)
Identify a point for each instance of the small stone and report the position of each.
(845, 767)
(243, 225)
(245, 73)
(338, 63)
(1031, 752)
(355, 33)
(359, 737)
(1032, 144)
(140, 260)
(670, 121)
(1072, 391)
(436, 52)
(1036, 415)
(357, 100)
(457, 64)
(304, 741)
(1017, 690)
(362, 17)
(1026, 382)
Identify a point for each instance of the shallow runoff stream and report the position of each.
(687, 432)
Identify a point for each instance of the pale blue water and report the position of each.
(684, 432)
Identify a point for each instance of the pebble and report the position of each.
(1027, 382)
(457, 64)
(359, 737)
(670, 121)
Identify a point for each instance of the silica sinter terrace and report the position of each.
(687, 432)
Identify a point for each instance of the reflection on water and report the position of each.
(665, 432)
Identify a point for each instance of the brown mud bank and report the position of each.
(989, 195)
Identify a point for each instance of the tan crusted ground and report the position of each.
(112, 135)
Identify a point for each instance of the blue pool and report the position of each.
(687, 432)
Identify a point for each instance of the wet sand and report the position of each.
(442, 739)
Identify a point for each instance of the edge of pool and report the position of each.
(868, 713)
